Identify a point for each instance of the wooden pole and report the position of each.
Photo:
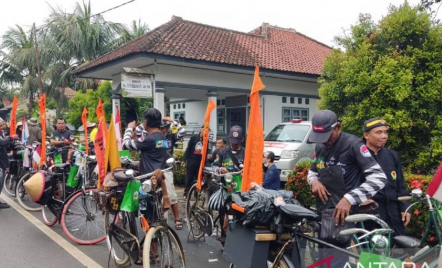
(37, 58)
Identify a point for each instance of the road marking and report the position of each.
(71, 249)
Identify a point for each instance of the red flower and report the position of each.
(416, 212)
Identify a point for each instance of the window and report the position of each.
(179, 105)
(223, 102)
(184, 105)
(292, 100)
(218, 102)
(294, 113)
(221, 120)
(174, 106)
(299, 100)
(177, 115)
(307, 101)
(284, 99)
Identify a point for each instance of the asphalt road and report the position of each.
(26, 242)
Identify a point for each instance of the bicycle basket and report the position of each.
(39, 188)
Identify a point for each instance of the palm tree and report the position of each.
(136, 29)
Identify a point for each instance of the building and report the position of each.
(193, 63)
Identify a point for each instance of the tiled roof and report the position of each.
(68, 92)
(267, 46)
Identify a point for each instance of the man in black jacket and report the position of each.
(390, 209)
(4, 160)
(192, 158)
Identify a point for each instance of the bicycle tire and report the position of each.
(117, 253)
(22, 197)
(94, 220)
(167, 241)
(48, 217)
(10, 184)
(194, 196)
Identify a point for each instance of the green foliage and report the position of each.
(90, 100)
(392, 70)
(179, 172)
(297, 182)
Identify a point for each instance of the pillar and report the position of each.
(158, 100)
(212, 96)
(116, 94)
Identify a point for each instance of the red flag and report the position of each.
(13, 120)
(434, 188)
(84, 121)
(99, 110)
(255, 138)
(100, 151)
(210, 107)
(42, 105)
(118, 134)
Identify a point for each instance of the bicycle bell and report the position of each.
(130, 173)
(170, 161)
(228, 178)
(416, 193)
(147, 186)
(380, 242)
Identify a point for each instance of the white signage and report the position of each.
(134, 86)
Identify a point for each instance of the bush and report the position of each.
(179, 173)
(297, 182)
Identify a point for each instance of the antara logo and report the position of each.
(318, 128)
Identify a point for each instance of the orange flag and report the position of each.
(13, 124)
(255, 138)
(99, 110)
(42, 105)
(100, 151)
(84, 121)
(112, 154)
(210, 107)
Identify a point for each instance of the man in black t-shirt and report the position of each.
(62, 138)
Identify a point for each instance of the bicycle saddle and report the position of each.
(403, 241)
(120, 175)
(298, 212)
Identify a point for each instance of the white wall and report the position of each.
(194, 111)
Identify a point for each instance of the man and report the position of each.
(153, 148)
(171, 140)
(62, 138)
(5, 142)
(343, 163)
(390, 209)
(272, 179)
(34, 131)
(192, 158)
(230, 158)
(220, 144)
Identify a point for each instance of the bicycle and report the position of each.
(77, 212)
(201, 220)
(16, 169)
(121, 226)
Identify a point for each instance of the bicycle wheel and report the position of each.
(48, 217)
(10, 183)
(196, 219)
(23, 198)
(162, 248)
(117, 253)
(81, 220)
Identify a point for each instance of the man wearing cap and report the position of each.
(343, 174)
(62, 138)
(34, 131)
(390, 209)
(192, 157)
(230, 158)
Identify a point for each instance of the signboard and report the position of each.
(136, 86)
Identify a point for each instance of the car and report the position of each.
(289, 143)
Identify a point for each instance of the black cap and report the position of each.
(374, 123)
(323, 123)
(236, 135)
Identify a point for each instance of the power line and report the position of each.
(92, 16)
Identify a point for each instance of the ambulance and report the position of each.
(289, 142)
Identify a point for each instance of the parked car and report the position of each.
(289, 143)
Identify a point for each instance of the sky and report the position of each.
(318, 19)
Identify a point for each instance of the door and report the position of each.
(236, 116)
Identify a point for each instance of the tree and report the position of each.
(392, 70)
(135, 30)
